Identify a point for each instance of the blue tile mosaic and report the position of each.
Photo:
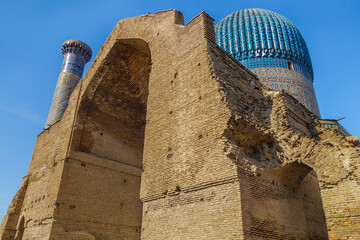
(73, 63)
(273, 62)
(267, 43)
(336, 126)
(76, 55)
(259, 33)
(292, 82)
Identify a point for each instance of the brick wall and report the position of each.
(169, 137)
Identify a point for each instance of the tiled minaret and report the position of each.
(76, 55)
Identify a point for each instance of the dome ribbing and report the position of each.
(259, 33)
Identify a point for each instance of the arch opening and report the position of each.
(115, 117)
(108, 146)
(284, 204)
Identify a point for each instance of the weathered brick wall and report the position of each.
(277, 205)
(115, 118)
(102, 179)
(270, 129)
(273, 205)
(342, 207)
(186, 117)
(184, 125)
(185, 188)
(9, 223)
(99, 198)
(219, 155)
(41, 185)
(202, 212)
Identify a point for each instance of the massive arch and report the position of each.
(113, 117)
(105, 163)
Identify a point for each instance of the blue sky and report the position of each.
(32, 33)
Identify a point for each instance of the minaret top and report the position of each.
(77, 47)
(76, 54)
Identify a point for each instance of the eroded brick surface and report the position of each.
(169, 137)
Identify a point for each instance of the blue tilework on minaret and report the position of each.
(76, 55)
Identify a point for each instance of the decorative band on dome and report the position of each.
(77, 47)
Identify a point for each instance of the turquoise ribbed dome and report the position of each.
(259, 33)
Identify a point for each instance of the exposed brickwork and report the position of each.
(191, 213)
(169, 137)
(278, 132)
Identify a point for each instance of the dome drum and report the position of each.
(271, 47)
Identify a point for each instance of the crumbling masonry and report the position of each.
(169, 137)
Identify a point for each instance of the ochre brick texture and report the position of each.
(169, 137)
